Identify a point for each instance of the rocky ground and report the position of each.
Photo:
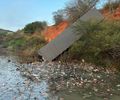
(3, 51)
(57, 81)
(62, 81)
(84, 80)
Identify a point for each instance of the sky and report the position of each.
(15, 14)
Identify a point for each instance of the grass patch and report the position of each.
(25, 46)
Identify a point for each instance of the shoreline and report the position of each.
(71, 78)
(24, 60)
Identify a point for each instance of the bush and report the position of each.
(100, 43)
(113, 5)
(35, 26)
(26, 47)
(76, 8)
(58, 16)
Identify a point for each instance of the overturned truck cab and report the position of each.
(63, 41)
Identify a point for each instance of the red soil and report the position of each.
(53, 31)
(112, 16)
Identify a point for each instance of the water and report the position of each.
(56, 81)
(15, 87)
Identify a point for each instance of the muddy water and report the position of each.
(55, 81)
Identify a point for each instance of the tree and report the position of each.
(112, 5)
(58, 16)
(77, 8)
(35, 26)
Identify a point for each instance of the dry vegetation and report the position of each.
(100, 44)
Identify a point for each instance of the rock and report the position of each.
(95, 89)
(108, 90)
(9, 60)
(95, 80)
(61, 99)
(118, 85)
(86, 96)
(17, 69)
(95, 70)
(98, 76)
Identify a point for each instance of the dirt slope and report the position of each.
(53, 31)
(111, 16)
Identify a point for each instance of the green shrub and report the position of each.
(99, 44)
(35, 26)
(17, 43)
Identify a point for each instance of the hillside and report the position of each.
(111, 16)
(26, 45)
(53, 31)
(3, 35)
(5, 31)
